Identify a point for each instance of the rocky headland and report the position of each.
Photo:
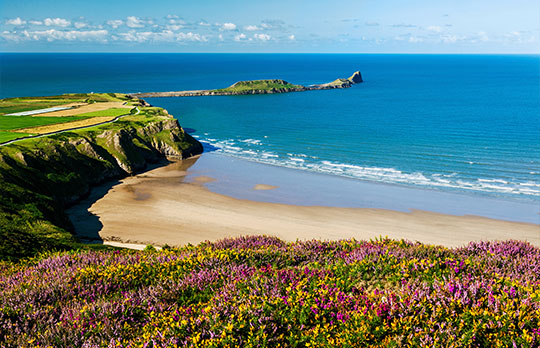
(258, 87)
(41, 177)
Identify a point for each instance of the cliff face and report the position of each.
(40, 177)
(356, 77)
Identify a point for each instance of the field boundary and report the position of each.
(69, 129)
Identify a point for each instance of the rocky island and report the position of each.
(258, 87)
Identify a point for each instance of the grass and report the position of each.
(13, 105)
(22, 122)
(28, 123)
(86, 122)
(20, 104)
(244, 86)
(109, 112)
(7, 136)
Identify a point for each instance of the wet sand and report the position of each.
(167, 205)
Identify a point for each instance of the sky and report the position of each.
(281, 26)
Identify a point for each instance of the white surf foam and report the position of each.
(250, 149)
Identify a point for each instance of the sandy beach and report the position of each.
(168, 206)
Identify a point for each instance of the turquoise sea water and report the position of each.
(460, 123)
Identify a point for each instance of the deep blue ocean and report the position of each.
(467, 123)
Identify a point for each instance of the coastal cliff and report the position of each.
(258, 87)
(41, 177)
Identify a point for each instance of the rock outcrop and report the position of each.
(356, 77)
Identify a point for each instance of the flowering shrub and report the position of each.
(263, 292)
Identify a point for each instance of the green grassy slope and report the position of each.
(7, 136)
(39, 177)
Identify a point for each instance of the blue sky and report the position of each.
(341, 26)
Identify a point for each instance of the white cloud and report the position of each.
(415, 39)
(175, 27)
(482, 36)
(220, 37)
(251, 28)
(115, 23)
(57, 22)
(262, 37)
(240, 37)
(228, 26)
(16, 21)
(274, 24)
(434, 28)
(163, 36)
(292, 37)
(449, 38)
(80, 25)
(519, 37)
(57, 35)
(204, 24)
(134, 22)
(36, 22)
(190, 37)
(177, 21)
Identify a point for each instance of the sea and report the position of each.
(467, 124)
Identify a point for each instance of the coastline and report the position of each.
(178, 204)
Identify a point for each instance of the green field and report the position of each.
(109, 112)
(7, 136)
(20, 122)
(13, 105)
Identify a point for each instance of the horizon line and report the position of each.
(372, 53)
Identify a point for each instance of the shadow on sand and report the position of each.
(87, 225)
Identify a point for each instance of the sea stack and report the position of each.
(356, 77)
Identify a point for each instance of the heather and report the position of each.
(263, 292)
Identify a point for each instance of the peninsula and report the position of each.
(258, 87)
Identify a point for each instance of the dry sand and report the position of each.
(160, 207)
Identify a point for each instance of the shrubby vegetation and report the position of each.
(263, 292)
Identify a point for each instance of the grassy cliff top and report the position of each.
(21, 117)
(20, 104)
(40, 176)
(258, 85)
